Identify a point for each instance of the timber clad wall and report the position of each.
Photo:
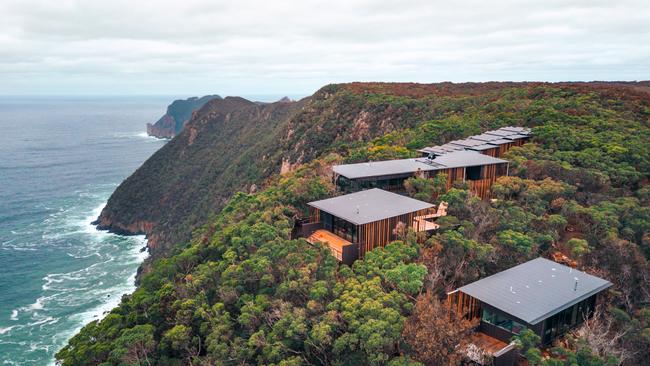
(453, 175)
(380, 233)
(464, 305)
(489, 175)
(495, 152)
(504, 148)
(480, 187)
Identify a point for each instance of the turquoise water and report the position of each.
(60, 159)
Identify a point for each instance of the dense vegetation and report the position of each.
(242, 292)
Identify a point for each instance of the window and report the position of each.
(502, 169)
(344, 229)
(517, 327)
(326, 219)
(473, 173)
(488, 316)
(502, 322)
(345, 184)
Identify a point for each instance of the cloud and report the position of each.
(294, 47)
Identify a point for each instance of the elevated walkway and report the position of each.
(422, 223)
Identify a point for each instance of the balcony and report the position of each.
(343, 250)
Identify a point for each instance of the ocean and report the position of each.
(60, 159)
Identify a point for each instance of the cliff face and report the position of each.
(178, 113)
(228, 145)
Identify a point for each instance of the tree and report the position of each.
(578, 247)
(135, 345)
(179, 340)
(519, 241)
(434, 334)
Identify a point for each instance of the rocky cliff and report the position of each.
(178, 113)
(229, 144)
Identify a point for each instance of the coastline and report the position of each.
(127, 287)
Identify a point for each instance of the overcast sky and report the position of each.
(246, 47)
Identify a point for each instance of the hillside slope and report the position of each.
(242, 292)
(178, 113)
(234, 144)
(225, 147)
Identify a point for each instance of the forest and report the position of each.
(242, 292)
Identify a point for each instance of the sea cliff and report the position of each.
(178, 113)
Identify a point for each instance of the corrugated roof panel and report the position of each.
(500, 142)
(484, 137)
(469, 142)
(484, 147)
(516, 129)
(516, 137)
(496, 137)
(500, 133)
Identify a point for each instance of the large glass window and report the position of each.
(347, 185)
(326, 219)
(344, 229)
(502, 322)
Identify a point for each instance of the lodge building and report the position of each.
(353, 224)
(493, 143)
(541, 295)
(368, 215)
(475, 160)
(479, 170)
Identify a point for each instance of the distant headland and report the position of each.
(178, 113)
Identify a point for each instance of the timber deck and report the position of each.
(487, 343)
(420, 224)
(333, 241)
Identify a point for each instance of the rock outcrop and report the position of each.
(178, 113)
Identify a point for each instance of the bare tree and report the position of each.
(600, 334)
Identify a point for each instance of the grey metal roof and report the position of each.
(516, 136)
(369, 206)
(465, 158)
(482, 147)
(500, 141)
(454, 159)
(386, 167)
(496, 137)
(500, 133)
(485, 137)
(524, 130)
(469, 142)
(535, 290)
(442, 149)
